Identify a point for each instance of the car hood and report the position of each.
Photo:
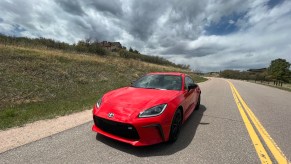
(128, 102)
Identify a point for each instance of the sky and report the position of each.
(209, 35)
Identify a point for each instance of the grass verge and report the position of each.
(285, 86)
(40, 84)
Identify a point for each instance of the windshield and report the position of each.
(168, 82)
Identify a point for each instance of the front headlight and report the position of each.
(98, 104)
(154, 111)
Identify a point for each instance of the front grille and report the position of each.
(116, 128)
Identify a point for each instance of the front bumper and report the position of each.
(141, 132)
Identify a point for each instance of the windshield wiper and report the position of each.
(156, 88)
(151, 88)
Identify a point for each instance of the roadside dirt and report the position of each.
(18, 136)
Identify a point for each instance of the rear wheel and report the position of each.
(198, 103)
(175, 127)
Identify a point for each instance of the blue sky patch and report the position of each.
(273, 3)
(226, 25)
(17, 30)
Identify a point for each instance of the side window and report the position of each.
(188, 81)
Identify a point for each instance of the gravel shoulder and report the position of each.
(18, 136)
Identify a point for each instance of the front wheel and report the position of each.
(175, 127)
(198, 103)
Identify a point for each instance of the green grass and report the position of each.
(285, 86)
(40, 84)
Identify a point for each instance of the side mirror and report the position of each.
(192, 86)
(132, 82)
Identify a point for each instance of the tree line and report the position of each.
(85, 46)
(134, 54)
(277, 72)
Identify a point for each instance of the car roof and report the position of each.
(166, 73)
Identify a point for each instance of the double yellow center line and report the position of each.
(248, 115)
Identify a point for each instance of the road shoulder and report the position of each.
(18, 136)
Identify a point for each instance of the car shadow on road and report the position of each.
(187, 133)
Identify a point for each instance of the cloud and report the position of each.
(142, 19)
(208, 35)
(231, 22)
(71, 6)
(112, 7)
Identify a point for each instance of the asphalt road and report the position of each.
(214, 134)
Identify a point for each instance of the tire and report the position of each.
(175, 126)
(198, 103)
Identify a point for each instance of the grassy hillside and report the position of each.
(39, 84)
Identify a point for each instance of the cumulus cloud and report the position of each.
(208, 35)
(71, 6)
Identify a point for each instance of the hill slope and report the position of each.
(39, 84)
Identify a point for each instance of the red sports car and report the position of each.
(149, 111)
